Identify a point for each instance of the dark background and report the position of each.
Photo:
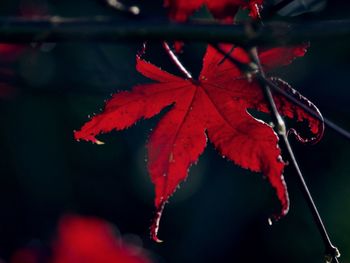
(219, 214)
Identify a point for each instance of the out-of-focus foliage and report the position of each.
(83, 240)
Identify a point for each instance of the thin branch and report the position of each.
(331, 252)
(176, 60)
(107, 29)
(247, 68)
(228, 54)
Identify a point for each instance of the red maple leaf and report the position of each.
(180, 10)
(91, 240)
(216, 106)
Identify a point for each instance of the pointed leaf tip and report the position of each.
(284, 211)
(156, 239)
(99, 142)
(80, 135)
(155, 223)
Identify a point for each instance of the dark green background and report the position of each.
(219, 214)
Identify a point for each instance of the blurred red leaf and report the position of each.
(10, 52)
(216, 106)
(26, 255)
(91, 240)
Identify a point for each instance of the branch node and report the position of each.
(280, 125)
(251, 30)
(332, 254)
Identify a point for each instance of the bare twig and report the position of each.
(176, 60)
(107, 29)
(331, 252)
